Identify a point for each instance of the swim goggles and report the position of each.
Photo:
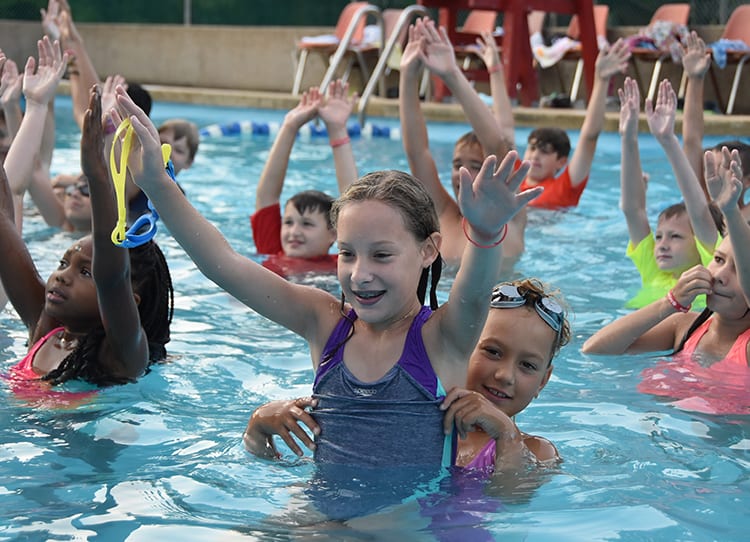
(508, 296)
(82, 188)
(146, 223)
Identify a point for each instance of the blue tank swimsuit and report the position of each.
(392, 421)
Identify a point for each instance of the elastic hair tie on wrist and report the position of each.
(338, 142)
(494, 69)
(504, 231)
(676, 304)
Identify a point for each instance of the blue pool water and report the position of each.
(164, 457)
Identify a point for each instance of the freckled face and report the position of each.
(511, 362)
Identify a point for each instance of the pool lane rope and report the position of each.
(311, 129)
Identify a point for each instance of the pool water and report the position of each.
(164, 457)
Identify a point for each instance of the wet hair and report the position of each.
(140, 96)
(533, 290)
(151, 280)
(313, 201)
(405, 194)
(183, 129)
(469, 139)
(555, 137)
(678, 209)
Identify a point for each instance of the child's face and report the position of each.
(305, 235)
(77, 205)
(675, 249)
(180, 150)
(70, 296)
(545, 162)
(380, 261)
(469, 156)
(511, 362)
(727, 298)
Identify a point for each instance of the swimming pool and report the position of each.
(164, 457)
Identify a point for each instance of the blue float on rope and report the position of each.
(311, 129)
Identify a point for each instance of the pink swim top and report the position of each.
(720, 388)
(26, 383)
(485, 459)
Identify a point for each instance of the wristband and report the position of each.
(676, 304)
(494, 69)
(340, 141)
(504, 231)
(109, 127)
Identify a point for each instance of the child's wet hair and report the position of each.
(313, 201)
(469, 139)
(679, 209)
(555, 137)
(151, 280)
(183, 129)
(533, 290)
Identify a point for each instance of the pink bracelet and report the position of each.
(338, 142)
(676, 304)
(494, 69)
(504, 231)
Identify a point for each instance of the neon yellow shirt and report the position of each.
(655, 283)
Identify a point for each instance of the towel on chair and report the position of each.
(719, 50)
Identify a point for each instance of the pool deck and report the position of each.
(571, 119)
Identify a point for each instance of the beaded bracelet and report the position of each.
(504, 231)
(338, 142)
(494, 69)
(676, 304)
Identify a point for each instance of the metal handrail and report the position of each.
(346, 42)
(406, 16)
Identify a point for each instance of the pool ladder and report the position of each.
(403, 17)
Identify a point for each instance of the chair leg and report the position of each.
(655, 78)
(300, 72)
(576, 81)
(736, 84)
(717, 91)
(683, 85)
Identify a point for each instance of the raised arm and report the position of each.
(488, 202)
(308, 311)
(695, 63)
(501, 105)
(725, 186)
(39, 85)
(611, 60)
(413, 125)
(335, 110)
(632, 186)
(271, 183)
(11, 86)
(127, 355)
(440, 58)
(661, 122)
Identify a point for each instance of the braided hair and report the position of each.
(151, 280)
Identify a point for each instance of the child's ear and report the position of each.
(561, 161)
(137, 299)
(431, 248)
(545, 379)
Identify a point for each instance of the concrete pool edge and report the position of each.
(570, 119)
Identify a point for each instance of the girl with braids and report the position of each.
(103, 315)
(382, 358)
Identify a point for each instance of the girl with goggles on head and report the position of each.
(510, 365)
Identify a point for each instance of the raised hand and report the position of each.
(337, 106)
(630, 106)
(40, 82)
(661, 116)
(92, 140)
(488, 50)
(695, 58)
(49, 19)
(11, 83)
(411, 57)
(437, 54)
(306, 109)
(612, 59)
(489, 201)
(109, 99)
(724, 180)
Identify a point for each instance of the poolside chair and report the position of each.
(477, 22)
(676, 14)
(601, 14)
(349, 34)
(736, 30)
